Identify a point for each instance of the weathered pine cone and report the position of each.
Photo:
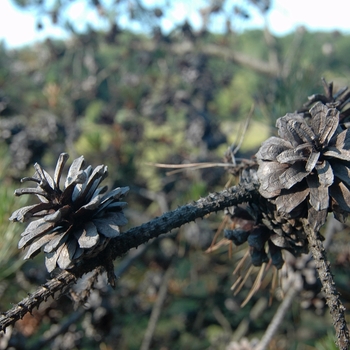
(307, 166)
(73, 223)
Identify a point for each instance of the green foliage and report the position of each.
(251, 42)
(256, 133)
(237, 98)
(10, 260)
(326, 343)
(94, 138)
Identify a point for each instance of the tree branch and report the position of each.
(336, 307)
(130, 239)
(271, 43)
(58, 284)
(259, 66)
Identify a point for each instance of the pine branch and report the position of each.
(130, 239)
(57, 284)
(336, 307)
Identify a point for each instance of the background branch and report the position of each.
(278, 317)
(268, 68)
(56, 331)
(156, 311)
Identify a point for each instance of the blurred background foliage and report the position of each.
(128, 99)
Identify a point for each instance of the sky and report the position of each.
(18, 28)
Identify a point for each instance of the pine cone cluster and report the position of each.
(74, 223)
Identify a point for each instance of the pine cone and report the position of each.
(307, 166)
(72, 223)
(259, 224)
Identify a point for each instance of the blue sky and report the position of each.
(18, 28)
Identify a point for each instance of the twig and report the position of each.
(198, 166)
(156, 310)
(278, 317)
(295, 284)
(333, 226)
(222, 320)
(242, 134)
(130, 258)
(121, 269)
(129, 239)
(58, 284)
(89, 281)
(336, 307)
(271, 43)
(53, 333)
(259, 66)
(293, 52)
(214, 202)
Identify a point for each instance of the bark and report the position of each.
(334, 303)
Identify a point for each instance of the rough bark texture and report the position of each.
(57, 284)
(336, 307)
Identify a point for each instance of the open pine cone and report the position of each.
(308, 165)
(72, 223)
(303, 173)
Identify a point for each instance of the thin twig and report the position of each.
(256, 311)
(222, 320)
(333, 226)
(58, 284)
(295, 284)
(191, 166)
(278, 317)
(263, 67)
(243, 132)
(336, 307)
(293, 52)
(130, 259)
(199, 165)
(152, 323)
(56, 331)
